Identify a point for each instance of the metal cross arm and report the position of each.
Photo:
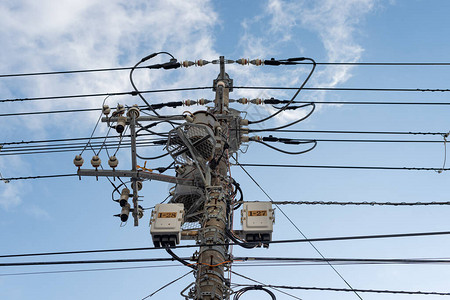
(135, 174)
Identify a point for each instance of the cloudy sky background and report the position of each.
(67, 214)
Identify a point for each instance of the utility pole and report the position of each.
(204, 190)
(211, 283)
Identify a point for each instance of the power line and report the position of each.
(323, 239)
(86, 270)
(299, 63)
(346, 167)
(343, 89)
(97, 261)
(361, 132)
(365, 203)
(132, 93)
(316, 102)
(352, 290)
(39, 177)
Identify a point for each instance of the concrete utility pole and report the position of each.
(211, 283)
(204, 190)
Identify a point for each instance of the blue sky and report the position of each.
(67, 214)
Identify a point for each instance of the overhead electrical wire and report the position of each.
(343, 89)
(305, 63)
(387, 168)
(134, 93)
(364, 203)
(244, 261)
(315, 102)
(322, 239)
(280, 130)
(352, 290)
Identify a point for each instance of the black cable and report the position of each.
(324, 239)
(349, 260)
(293, 97)
(250, 288)
(342, 89)
(345, 167)
(177, 258)
(367, 203)
(166, 285)
(304, 141)
(360, 132)
(134, 85)
(96, 261)
(133, 93)
(289, 152)
(352, 290)
(289, 124)
(300, 63)
(39, 177)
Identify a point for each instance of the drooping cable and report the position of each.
(294, 96)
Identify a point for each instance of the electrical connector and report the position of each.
(201, 62)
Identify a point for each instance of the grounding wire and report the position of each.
(298, 229)
(168, 284)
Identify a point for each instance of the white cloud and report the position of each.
(334, 22)
(10, 194)
(61, 35)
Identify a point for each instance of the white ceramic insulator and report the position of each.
(78, 161)
(113, 162)
(96, 161)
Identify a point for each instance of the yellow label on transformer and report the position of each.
(257, 213)
(167, 215)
